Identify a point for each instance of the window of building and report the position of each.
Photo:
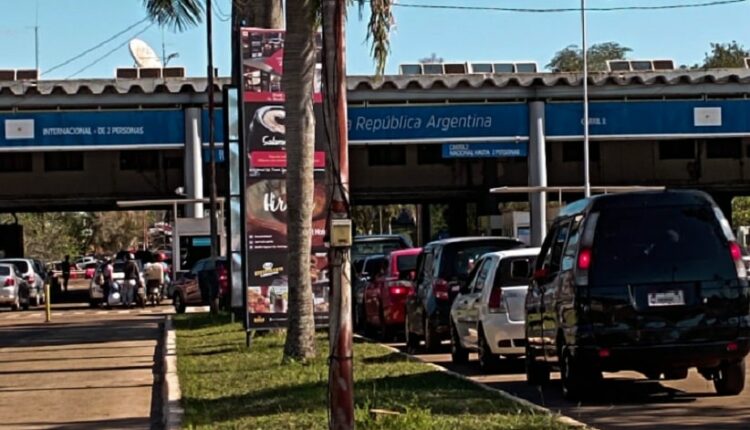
(63, 161)
(431, 154)
(11, 162)
(386, 155)
(677, 150)
(573, 151)
(724, 148)
(139, 160)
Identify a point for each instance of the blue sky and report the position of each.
(68, 27)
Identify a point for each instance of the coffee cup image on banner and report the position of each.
(267, 129)
(267, 203)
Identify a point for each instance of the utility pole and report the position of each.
(212, 150)
(586, 168)
(341, 375)
(36, 38)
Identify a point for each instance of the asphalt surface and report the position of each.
(86, 369)
(625, 401)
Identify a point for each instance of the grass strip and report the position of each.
(227, 386)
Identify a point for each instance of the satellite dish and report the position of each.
(143, 55)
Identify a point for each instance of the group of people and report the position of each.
(131, 290)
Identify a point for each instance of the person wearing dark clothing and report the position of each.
(65, 266)
(132, 276)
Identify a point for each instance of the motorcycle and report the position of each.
(154, 292)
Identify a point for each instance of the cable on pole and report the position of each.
(570, 9)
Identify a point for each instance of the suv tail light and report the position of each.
(30, 279)
(584, 259)
(441, 290)
(736, 252)
(9, 282)
(495, 304)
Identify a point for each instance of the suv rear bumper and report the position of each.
(709, 354)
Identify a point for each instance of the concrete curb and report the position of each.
(504, 394)
(172, 411)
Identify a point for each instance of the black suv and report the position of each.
(647, 281)
(443, 267)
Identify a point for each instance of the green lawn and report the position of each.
(225, 385)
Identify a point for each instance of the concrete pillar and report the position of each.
(537, 172)
(193, 162)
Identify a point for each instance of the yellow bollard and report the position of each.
(47, 303)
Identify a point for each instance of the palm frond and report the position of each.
(379, 30)
(177, 14)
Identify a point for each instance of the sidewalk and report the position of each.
(80, 372)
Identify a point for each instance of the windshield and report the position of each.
(386, 246)
(666, 244)
(459, 258)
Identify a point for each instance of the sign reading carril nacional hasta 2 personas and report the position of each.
(499, 122)
(485, 150)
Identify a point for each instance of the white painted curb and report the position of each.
(504, 394)
(172, 411)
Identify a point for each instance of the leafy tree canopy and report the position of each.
(725, 55)
(570, 58)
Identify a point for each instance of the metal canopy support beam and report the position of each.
(537, 173)
(193, 161)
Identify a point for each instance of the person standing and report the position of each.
(108, 272)
(65, 266)
(130, 284)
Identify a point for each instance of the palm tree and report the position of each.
(299, 68)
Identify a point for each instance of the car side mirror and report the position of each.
(541, 274)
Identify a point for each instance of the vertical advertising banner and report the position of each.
(265, 193)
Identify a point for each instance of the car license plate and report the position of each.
(666, 298)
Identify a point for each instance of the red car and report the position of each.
(385, 294)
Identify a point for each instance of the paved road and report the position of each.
(87, 369)
(626, 402)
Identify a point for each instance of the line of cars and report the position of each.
(652, 282)
(22, 283)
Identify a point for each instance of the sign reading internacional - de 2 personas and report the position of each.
(151, 129)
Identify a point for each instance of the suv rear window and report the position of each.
(21, 265)
(406, 263)
(4, 271)
(662, 244)
(522, 266)
(363, 248)
(458, 258)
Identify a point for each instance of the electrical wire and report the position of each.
(220, 15)
(569, 9)
(110, 52)
(95, 47)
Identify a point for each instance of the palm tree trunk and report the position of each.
(299, 67)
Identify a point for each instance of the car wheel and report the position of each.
(93, 303)
(730, 380)
(431, 338)
(459, 354)
(412, 341)
(488, 361)
(536, 373)
(577, 377)
(179, 303)
(25, 305)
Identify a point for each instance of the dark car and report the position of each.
(192, 288)
(382, 244)
(364, 271)
(651, 281)
(442, 268)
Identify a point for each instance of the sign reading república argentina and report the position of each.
(490, 122)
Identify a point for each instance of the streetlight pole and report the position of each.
(586, 172)
(212, 150)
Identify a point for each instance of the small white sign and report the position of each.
(707, 117)
(19, 129)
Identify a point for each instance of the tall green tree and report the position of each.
(570, 58)
(725, 55)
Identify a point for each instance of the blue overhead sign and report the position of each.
(444, 123)
(649, 118)
(92, 129)
(484, 150)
